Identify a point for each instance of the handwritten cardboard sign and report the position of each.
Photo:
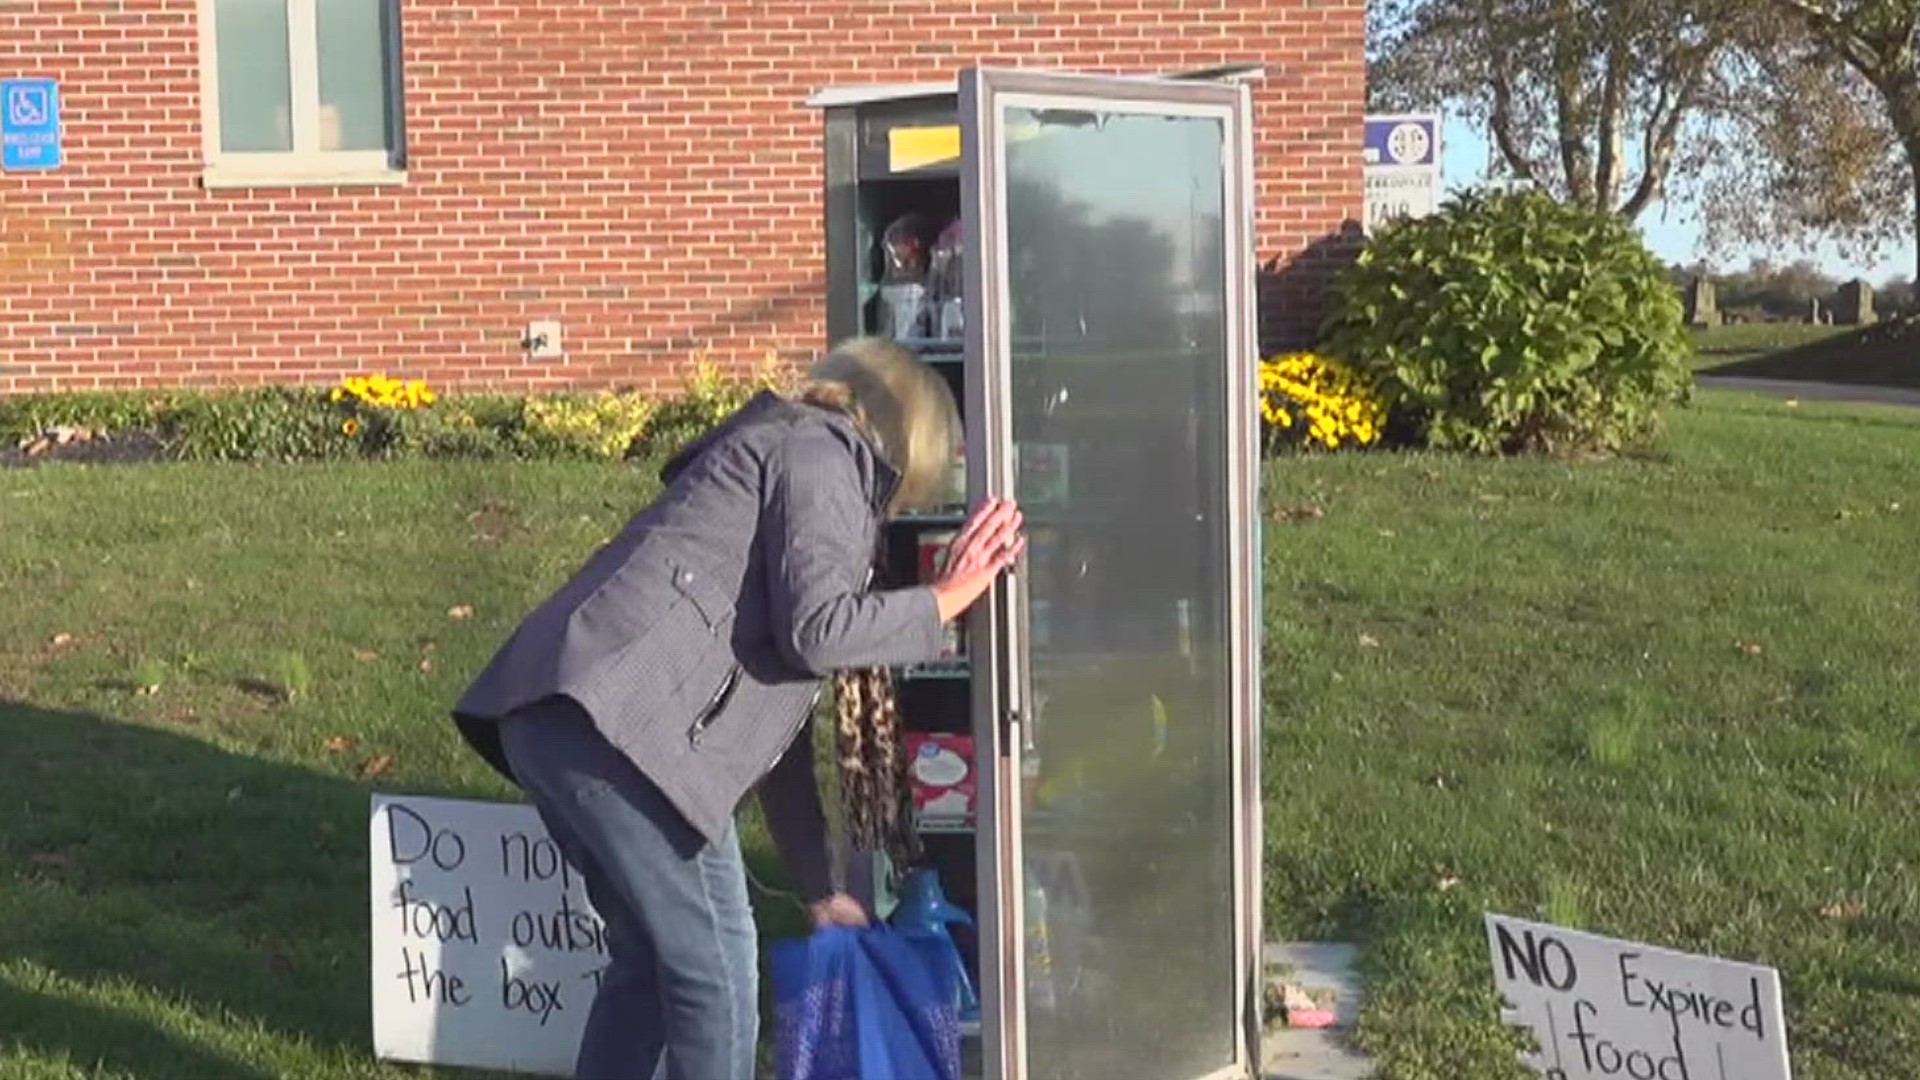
(1602, 1008)
(486, 952)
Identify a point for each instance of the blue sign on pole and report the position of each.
(1403, 140)
(29, 125)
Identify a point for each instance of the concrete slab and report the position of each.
(1317, 1053)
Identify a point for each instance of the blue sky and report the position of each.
(1671, 230)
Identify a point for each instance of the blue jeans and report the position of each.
(680, 997)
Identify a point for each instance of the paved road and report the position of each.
(1813, 391)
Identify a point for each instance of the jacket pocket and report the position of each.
(716, 705)
(708, 594)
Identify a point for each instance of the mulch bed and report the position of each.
(118, 448)
(1886, 354)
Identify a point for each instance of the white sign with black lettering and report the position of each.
(486, 952)
(1402, 160)
(1603, 1008)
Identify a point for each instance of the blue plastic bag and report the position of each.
(861, 1004)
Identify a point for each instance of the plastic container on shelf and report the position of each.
(1042, 991)
(904, 307)
(903, 277)
(957, 478)
(946, 285)
(933, 553)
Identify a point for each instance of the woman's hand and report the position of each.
(988, 543)
(837, 910)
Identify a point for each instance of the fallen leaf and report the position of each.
(1430, 476)
(1368, 641)
(276, 958)
(1303, 512)
(234, 793)
(61, 641)
(426, 667)
(365, 656)
(376, 765)
(1751, 648)
(1793, 403)
(461, 611)
(339, 744)
(1449, 883)
(1386, 533)
(52, 864)
(1844, 909)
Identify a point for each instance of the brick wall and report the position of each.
(643, 172)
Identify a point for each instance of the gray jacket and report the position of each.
(697, 638)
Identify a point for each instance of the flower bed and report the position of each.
(368, 416)
(1314, 402)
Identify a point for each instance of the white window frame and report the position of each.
(306, 163)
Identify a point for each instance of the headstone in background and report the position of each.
(1814, 315)
(1853, 304)
(1703, 307)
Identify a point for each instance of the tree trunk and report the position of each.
(1904, 107)
(1913, 163)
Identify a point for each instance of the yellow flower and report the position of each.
(1319, 401)
(350, 428)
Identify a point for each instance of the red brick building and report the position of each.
(286, 190)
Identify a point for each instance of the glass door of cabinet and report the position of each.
(1111, 357)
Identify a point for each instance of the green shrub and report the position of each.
(1511, 323)
(26, 415)
(381, 417)
(710, 397)
(270, 423)
(459, 427)
(602, 425)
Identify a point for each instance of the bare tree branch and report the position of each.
(1834, 29)
(1502, 118)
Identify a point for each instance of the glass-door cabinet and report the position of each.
(1075, 254)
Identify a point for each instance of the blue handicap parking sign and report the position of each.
(29, 124)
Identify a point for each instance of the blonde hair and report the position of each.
(898, 402)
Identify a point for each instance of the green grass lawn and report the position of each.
(1671, 698)
(1884, 354)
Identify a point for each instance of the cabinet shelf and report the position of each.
(934, 350)
(932, 517)
(1045, 821)
(945, 827)
(949, 669)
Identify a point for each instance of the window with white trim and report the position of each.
(301, 90)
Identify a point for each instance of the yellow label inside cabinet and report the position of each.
(910, 148)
